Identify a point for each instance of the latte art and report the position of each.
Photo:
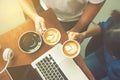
(71, 48)
(51, 36)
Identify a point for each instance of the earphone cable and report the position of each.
(5, 67)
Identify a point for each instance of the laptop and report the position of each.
(52, 65)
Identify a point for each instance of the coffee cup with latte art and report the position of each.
(51, 36)
(71, 48)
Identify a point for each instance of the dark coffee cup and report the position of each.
(30, 42)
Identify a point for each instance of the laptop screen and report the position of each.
(24, 72)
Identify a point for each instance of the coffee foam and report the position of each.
(51, 36)
(71, 48)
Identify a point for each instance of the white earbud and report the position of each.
(7, 56)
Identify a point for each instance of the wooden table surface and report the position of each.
(10, 40)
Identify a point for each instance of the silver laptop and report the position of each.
(52, 65)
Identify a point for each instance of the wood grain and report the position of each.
(10, 40)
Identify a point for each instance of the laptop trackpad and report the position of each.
(73, 72)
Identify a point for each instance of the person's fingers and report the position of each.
(40, 24)
(40, 31)
(74, 37)
(38, 28)
(43, 26)
(71, 36)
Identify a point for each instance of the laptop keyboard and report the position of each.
(50, 69)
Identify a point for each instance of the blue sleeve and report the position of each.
(104, 25)
(113, 65)
(114, 71)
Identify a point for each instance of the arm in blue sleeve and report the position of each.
(104, 25)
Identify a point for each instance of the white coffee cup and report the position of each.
(51, 36)
(71, 48)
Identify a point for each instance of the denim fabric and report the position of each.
(103, 66)
(113, 65)
(68, 25)
(96, 64)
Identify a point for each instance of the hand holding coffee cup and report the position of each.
(71, 48)
(31, 41)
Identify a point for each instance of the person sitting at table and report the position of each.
(74, 15)
(104, 62)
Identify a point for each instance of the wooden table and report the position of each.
(10, 40)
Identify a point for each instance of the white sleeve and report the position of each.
(96, 1)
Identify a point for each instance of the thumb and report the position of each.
(38, 28)
(43, 26)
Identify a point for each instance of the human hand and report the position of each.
(40, 24)
(76, 36)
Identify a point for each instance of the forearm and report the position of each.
(87, 17)
(96, 30)
(28, 8)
